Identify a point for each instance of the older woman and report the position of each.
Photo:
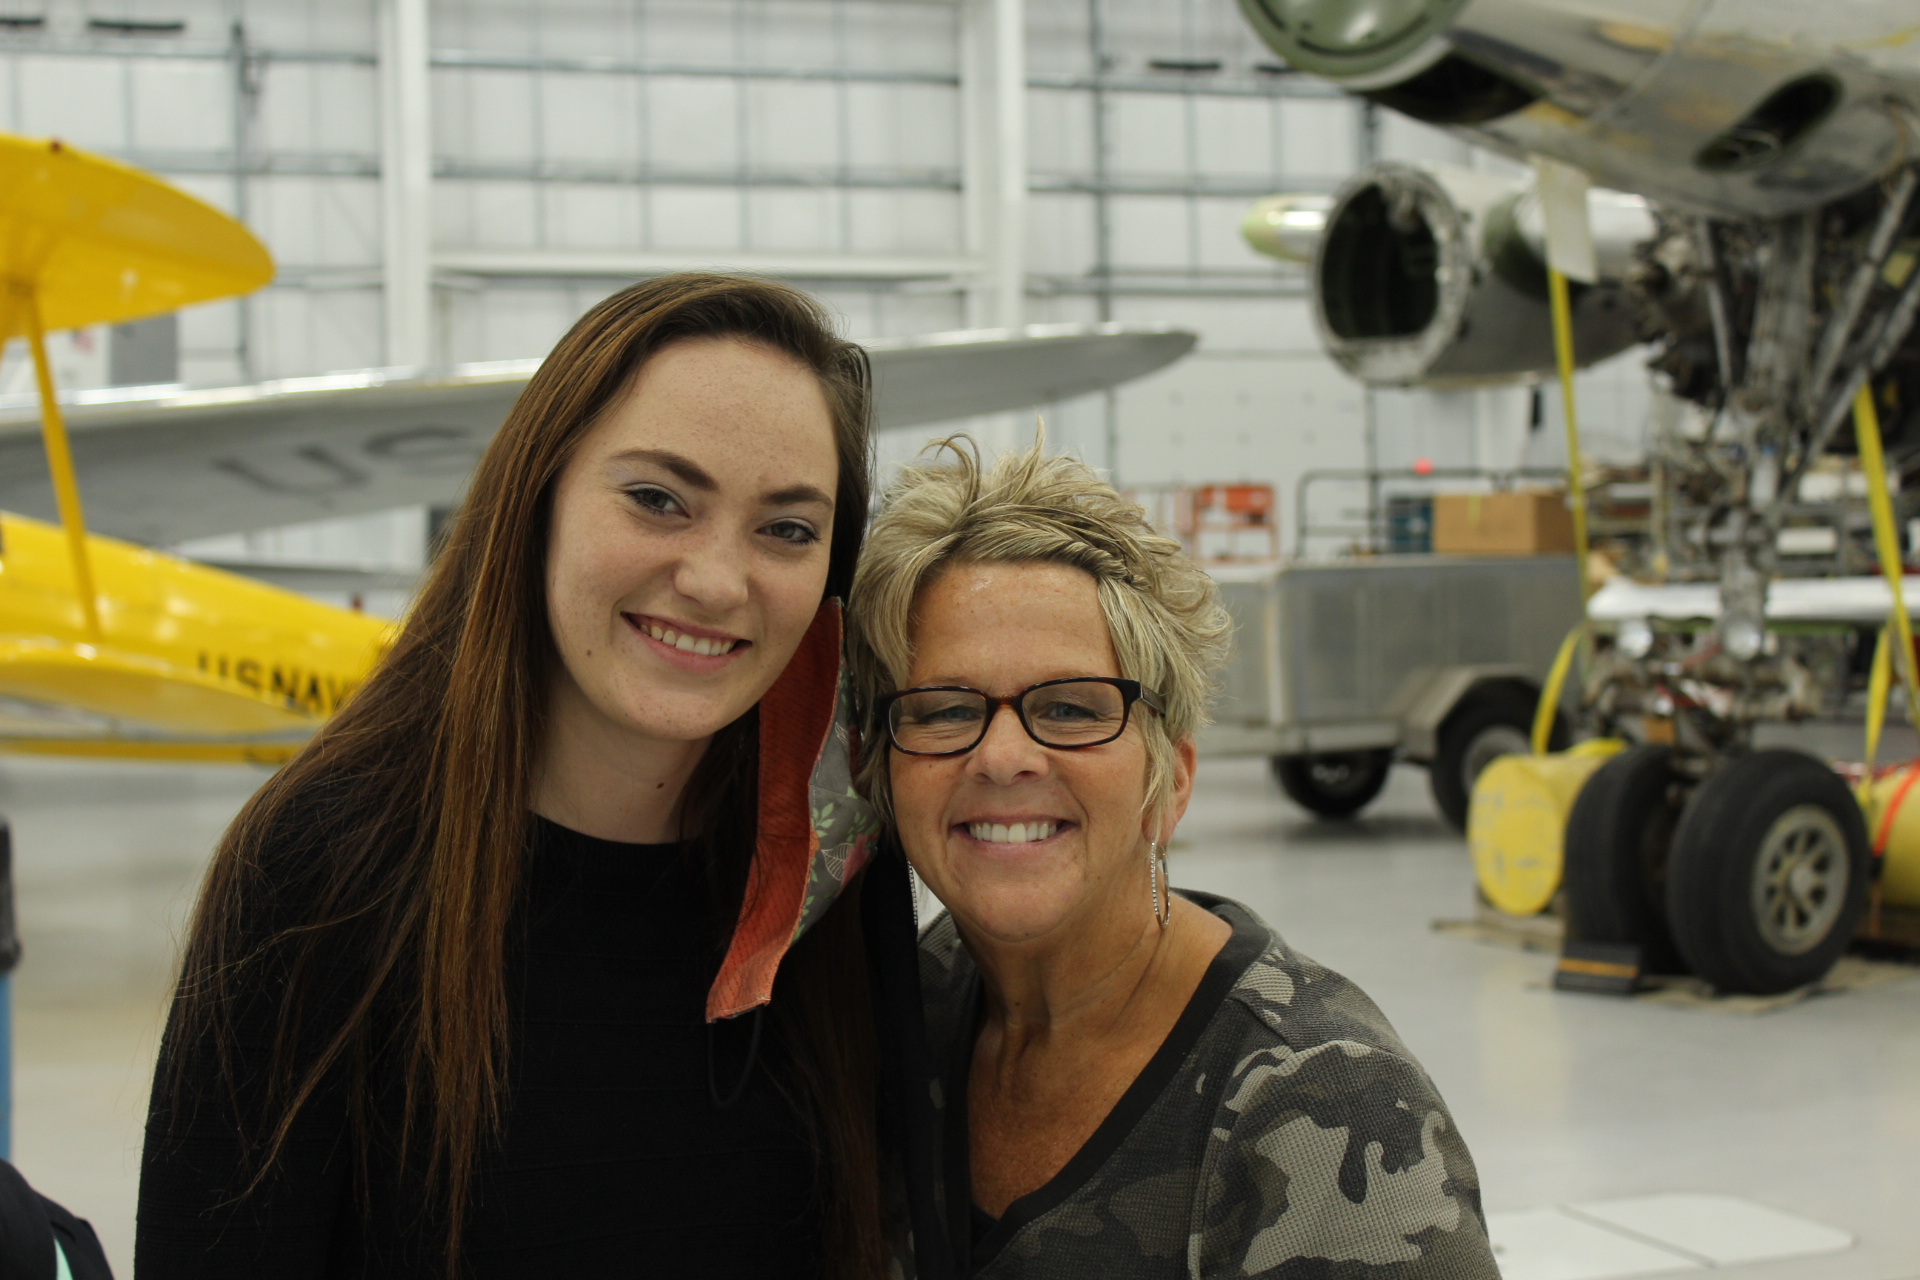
(1135, 1082)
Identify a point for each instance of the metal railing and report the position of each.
(1366, 528)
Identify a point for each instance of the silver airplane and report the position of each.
(1754, 220)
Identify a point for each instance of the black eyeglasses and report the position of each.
(1080, 711)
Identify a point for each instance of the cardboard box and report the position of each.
(1521, 522)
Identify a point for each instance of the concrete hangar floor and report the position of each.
(1614, 1137)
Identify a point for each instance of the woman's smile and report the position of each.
(1010, 834)
(686, 646)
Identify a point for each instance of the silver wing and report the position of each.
(159, 466)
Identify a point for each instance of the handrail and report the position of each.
(1373, 476)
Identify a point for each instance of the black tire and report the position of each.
(1619, 838)
(1491, 721)
(1334, 784)
(1744, 917)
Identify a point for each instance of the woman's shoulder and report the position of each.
(1292, 999)
(1318, 1088)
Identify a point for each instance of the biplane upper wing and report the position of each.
(161, 465)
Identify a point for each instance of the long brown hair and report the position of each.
(403, 825)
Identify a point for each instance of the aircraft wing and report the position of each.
(159, 465)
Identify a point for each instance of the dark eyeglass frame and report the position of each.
(1131, 691)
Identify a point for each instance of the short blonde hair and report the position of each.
(1163, 613)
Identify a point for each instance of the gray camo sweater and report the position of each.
(1281, 1131)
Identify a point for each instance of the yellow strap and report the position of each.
(66, 490)
(1576, 499)
(1563, 355)
(1866, 431)
(1879, 683)
(1550, 695)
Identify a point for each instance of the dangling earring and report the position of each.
(1157, 882)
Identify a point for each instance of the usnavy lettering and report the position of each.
(314, 693)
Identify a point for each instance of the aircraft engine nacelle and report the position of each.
(1734, 108)
(1435, 275)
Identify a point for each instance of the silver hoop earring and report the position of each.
(1158, 883)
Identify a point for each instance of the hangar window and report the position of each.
(1377, 271)
(1455, 90)
(1763, 135)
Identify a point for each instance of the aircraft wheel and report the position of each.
(1619, 835)
(1768, 876)
(1333, 784)
(1491, 721)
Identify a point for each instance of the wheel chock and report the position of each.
(1608, 968)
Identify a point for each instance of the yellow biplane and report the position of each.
(111, 648)
(147, 655)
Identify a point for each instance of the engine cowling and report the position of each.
(1434, 275)
(1734, 108)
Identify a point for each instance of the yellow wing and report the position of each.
(193, 663)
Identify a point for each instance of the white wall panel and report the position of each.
(1276, 326)
(913, 125)
(1217, 240)
(1150, 133)
(1057, 39)
(913, 311)
(485, 114)
(693, 123)
(212, 326)
(1213, 419)
(1060, 131)
(83, 100)
(690, 31)
(798, 219)
(793, 33)
(588, 118)
(1319, 141)
(695, 217)
(485, 214)
(511, 323)
(906, 221)
(575, 29)
(591, 215)
(1061, 235)
(1152, 231)
(311, 24)
(793, 123)
(305, 331)
(318, 221)
(1235, 137)
(179, 105)
(315, 107)
(915, 37)
(1140, 30)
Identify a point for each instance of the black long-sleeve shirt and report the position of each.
(613, 1160)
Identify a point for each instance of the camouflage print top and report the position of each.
(1282, 1130)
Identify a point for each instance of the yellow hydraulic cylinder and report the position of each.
(1893, 824)
(1517, 823)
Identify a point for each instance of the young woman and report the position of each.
(1136, 1084)
(446, 1003)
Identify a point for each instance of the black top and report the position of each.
(613, 1158)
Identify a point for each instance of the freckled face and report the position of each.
(969, 822)
(687, 548)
